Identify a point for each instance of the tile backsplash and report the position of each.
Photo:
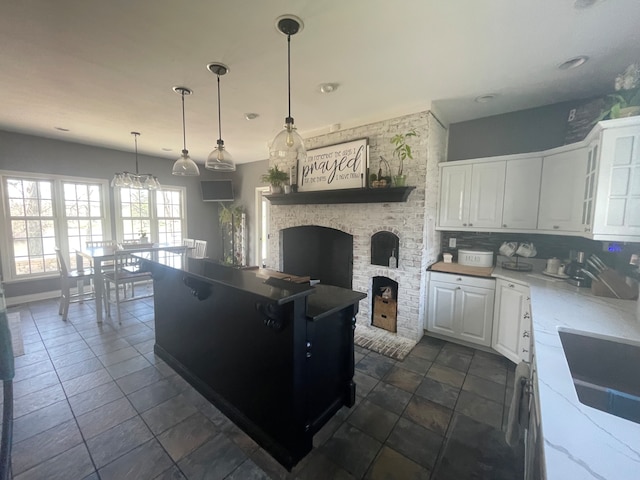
(547, 246)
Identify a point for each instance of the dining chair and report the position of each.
(100, 243)
(70, 279)
(200, 249)
(126, 273)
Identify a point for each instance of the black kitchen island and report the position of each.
(273, 355)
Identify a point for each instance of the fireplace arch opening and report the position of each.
(323, 253)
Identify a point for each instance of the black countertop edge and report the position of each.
(330, 299)
(274, 290)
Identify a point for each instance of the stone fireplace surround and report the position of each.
(412, 221)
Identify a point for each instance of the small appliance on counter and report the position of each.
(575, 271)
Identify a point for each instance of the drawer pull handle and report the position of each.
(458, 288)
(464, 224)
(459, 279)
(504, 225)
(556, 227)
(511, 285)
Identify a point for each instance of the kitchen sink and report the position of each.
(605, 371)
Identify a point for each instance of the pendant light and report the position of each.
(184, 166)
(219, 159)
(135, 180)
(288, 145)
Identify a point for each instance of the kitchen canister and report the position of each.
(475, 258)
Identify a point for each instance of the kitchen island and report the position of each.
(273, 355)
(579, 442)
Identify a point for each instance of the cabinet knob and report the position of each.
(459, 279)
(556, 227)
(464, 224)
(504, 225)
(511, 285)
(458, 288)
(471, 224)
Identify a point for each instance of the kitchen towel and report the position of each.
(519, 408)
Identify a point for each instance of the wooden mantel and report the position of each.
(347, 195)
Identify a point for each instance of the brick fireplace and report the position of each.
(412, 222)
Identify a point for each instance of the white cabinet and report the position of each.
(617, 205)
(461, 307)
(562, 191)
(522, 193)
(472, 195)
(512, 321)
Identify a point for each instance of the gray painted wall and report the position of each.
(517, 132)
(26, 153)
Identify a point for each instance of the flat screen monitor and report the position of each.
(217, 190)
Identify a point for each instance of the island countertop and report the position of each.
(580, 442)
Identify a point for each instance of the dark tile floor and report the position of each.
(93, 402)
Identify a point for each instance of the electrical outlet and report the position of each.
(452, 243)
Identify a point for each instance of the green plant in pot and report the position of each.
(403, 151)
(276, 178)
(626, 101)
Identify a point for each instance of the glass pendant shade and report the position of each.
(288, 145)
(135, 180)
(220, 159)
(185, 167)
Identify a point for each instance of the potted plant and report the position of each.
(402, 150)
(626, 102)
(276, 178)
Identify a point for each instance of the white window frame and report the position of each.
(262, 226)
(153, 217)
(59, 218)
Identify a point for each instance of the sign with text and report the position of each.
(334, 167)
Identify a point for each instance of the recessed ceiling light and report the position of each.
(574, 62)
(62, 129)
(251, 116)
(485, 98)
(328, 87)
(584, 3)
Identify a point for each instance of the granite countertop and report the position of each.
(580, 442)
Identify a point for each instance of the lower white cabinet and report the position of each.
(512, 321)
(461, 307)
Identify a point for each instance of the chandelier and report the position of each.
(135, 180)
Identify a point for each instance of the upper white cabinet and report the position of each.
(521, 193)
(562, 191)
(616, 211)
(472, 195)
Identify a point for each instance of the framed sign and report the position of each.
(334, 167)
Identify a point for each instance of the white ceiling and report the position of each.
(104, 68)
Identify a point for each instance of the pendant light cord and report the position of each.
(184, 129)
(135, 138)
(219, 108)
(289, 71)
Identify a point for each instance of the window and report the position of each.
(262, 226)
(45, 212)
(161, 214)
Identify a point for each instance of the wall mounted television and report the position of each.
(217, 190)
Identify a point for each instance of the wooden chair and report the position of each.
(200, 249)
(72, 279)
(100, 243)
(126, 272)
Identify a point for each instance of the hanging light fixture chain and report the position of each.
(135, 138)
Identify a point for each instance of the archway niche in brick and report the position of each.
(383, 245)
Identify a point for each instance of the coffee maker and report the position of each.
(574, 270)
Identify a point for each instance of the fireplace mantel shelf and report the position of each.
(347, 195)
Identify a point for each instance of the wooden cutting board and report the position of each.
(461, 269)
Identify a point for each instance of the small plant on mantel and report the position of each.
(402, 150)
(276, 178)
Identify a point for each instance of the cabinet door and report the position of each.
(618, 195)
(562, 191)
(442, 302)
(455, 185)
(522, 193)
(487, 195)
(476, 315)
(510, 324)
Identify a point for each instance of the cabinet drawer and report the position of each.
(463, 280)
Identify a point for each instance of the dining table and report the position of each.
(99, 257)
